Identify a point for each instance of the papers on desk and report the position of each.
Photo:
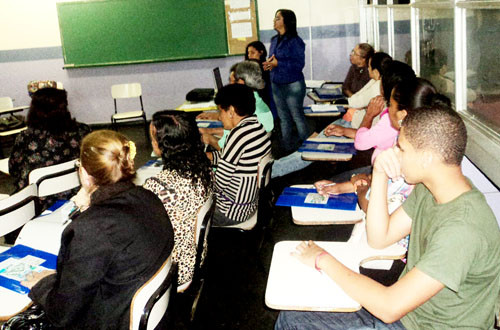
(329, 147)
(326, 107)
(44, 232)
(308, 197)
(19, 261)
(291, 285)
(199, 106)
(314, 83)
(148, 170)
(209, 123)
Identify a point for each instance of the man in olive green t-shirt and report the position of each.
(452, 278)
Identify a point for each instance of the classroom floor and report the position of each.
(238, 264)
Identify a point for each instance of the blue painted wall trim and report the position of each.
(30, 54)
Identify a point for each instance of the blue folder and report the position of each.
(18, 252)
(292, 196)
(329, 147)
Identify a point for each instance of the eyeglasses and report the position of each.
(354, 53)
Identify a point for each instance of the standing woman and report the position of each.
(111, 249)
(287, 80)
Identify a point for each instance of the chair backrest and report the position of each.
(17, 209)
(121, 91)
(264, 170)
(152, 300)
(205, 215)
(55, 179)
(6, 103)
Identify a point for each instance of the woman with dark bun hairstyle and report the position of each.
(52, 137)
(111, 249)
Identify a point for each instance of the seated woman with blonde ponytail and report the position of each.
(111, 248)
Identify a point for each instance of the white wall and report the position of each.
(30, 49)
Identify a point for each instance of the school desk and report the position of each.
(292, 285)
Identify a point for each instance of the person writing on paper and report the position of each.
(185, 183)
(111, 249)
(357, 76)
(245, 73)
(287, 80)
(452, 277)
(237, 162)
(52, 137)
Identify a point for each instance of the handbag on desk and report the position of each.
(34, 318)
(200, 95)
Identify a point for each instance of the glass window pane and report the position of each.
(382, 28)
(483, 69)
(402, 35)
(437, 49)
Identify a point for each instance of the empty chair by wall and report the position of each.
(152, 302)
(128, 91)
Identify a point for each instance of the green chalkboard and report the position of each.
(112, 32)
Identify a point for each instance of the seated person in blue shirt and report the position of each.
(245, 73)
(452, 277)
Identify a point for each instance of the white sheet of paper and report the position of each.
(199, 105)
(239, 15)
(241, 30)
(235, 4)
(324, 107)
(314, 198)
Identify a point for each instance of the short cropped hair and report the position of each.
(380, 62)
(367, 51)
(239, 96)
(395, 73)
(105, 155)
(250, 73)
(438, 128)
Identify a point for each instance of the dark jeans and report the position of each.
(289, 100)
(359, 320)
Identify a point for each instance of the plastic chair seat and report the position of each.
(246, 225)
(127, 115)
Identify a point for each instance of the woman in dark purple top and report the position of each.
(358, 75)
(288, 86)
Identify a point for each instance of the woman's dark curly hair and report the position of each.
(181, 148)
(49, 111)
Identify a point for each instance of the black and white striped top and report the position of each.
(237, 163)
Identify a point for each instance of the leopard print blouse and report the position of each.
(182, 201)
